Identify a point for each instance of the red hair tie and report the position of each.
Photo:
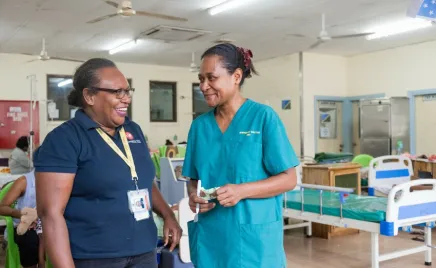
(247, 54)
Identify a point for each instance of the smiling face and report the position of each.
(217, 85)
(109, 110)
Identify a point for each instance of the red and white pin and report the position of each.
(129, 136)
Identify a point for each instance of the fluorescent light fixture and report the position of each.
(398, 28)
(226, 6)
(124, 46)
(65, 82)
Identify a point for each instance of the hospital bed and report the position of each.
(376, 215)
(387, 171)
(289, 224)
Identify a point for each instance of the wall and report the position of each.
(15, 86)
(326, 76)
(279, 80)
(396, 72)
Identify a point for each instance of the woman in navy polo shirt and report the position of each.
(94, 180)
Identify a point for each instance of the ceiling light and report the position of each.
(398, 28)
(226, 6)
(65, 82)
(124, 46)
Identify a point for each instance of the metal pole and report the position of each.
(300, 77)
(326, 188)
(32, 101)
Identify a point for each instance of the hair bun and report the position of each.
(75, 98)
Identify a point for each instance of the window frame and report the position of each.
(194, 114)
(174, 104)
(48, 76)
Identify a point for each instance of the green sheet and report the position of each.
(357, 207)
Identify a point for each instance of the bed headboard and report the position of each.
(386, 171)
(406, 208)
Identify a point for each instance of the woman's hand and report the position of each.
(172, 229)
(205, 206)
(230, 195)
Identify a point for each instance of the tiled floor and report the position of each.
(353, 251)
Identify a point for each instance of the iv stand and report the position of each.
(32, 79)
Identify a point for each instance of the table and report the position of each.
(423, 165)
(345, 175)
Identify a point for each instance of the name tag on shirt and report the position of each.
(139, 204)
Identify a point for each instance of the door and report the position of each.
(375, 129)
(356, 128)
(329, 126)
(425, 122)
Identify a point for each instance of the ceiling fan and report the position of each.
(194, 68)
(325, 37)
(43, 55)
(125, 10)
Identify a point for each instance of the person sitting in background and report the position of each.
(19, 162)
(27, 238)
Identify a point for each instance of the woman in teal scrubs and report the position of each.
(242, 147)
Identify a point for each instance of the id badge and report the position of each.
(139, 204)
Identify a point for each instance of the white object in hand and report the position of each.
(197, 208)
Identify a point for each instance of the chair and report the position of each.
(364, 160)
(12, 253)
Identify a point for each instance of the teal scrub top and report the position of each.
(254, 147)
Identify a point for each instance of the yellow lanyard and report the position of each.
(129, 158)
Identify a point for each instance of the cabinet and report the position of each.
(384, 123)
(423, 165)
(345, 175)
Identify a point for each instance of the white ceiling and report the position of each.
(262, 25)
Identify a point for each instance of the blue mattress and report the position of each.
(357, 207)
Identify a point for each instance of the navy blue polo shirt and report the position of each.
(99, 221)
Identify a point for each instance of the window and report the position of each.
(58, 89)
(199, 105)
(163, 102)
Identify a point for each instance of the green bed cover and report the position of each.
(357, 207)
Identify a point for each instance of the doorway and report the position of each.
(342, 133)
(425, 128)
(356, 127)
(329, 126)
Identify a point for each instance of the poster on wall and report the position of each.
(286, 104)
(327, 122)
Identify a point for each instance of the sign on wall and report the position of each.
(431, 97)
(286, 104)
(327, 123)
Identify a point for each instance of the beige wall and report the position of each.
(279, 80)
(15, 86)
(395, 72)
(323, 76)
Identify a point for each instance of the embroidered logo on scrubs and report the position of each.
(249, 133)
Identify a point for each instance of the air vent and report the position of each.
(173, 34)
(223, 40)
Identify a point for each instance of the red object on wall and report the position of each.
(15, 122)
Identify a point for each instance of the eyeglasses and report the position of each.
(119, 93)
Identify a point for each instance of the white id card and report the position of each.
(139, 203)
